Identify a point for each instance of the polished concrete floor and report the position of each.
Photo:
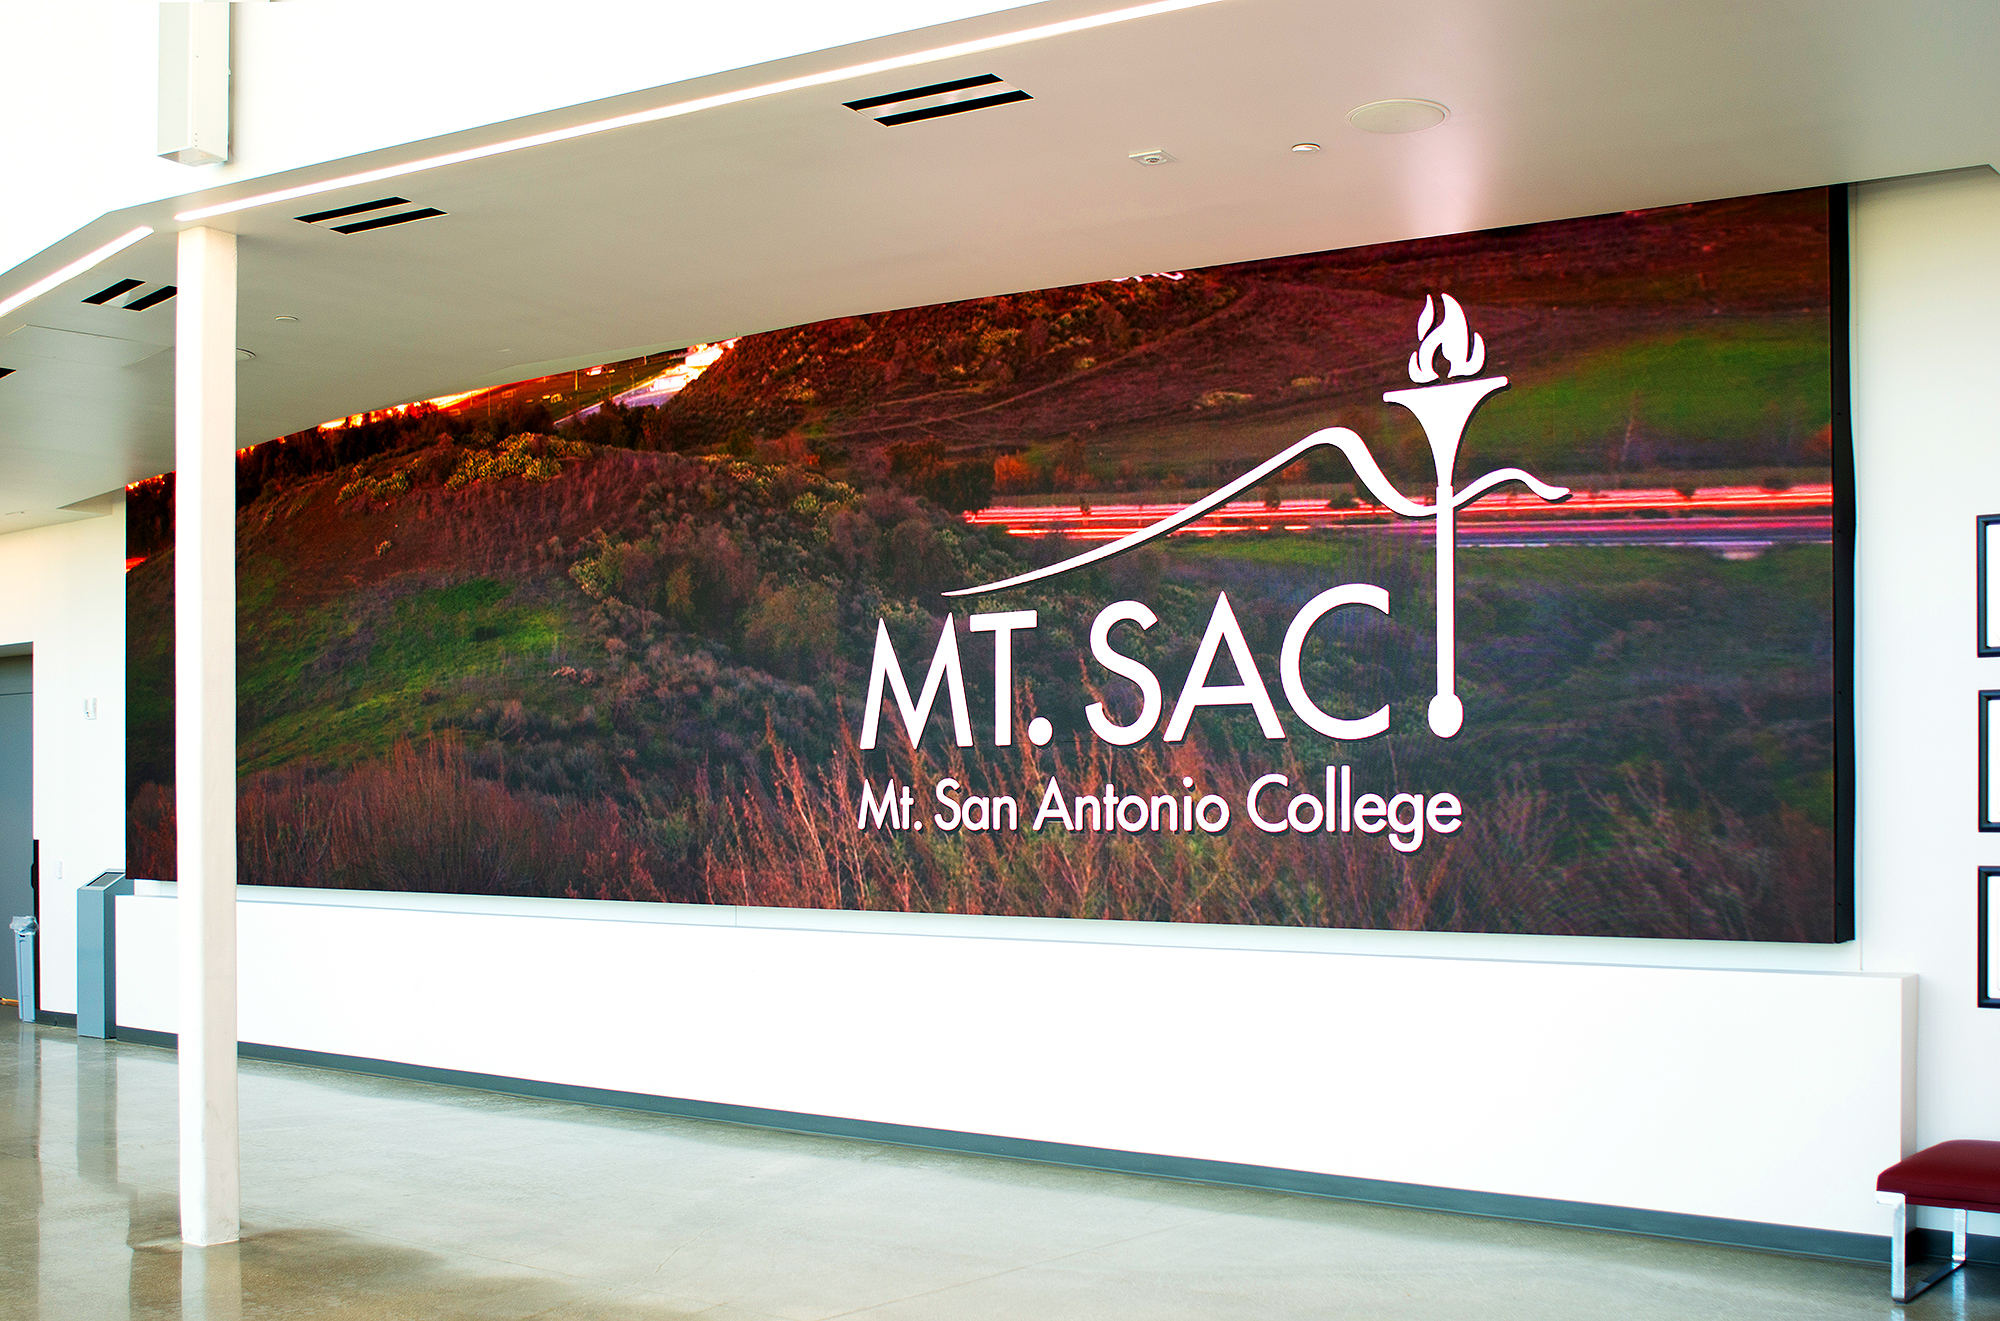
(366, 1198)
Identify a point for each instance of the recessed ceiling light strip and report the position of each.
(74, 269)
(677, 109)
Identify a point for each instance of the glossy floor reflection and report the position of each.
(368, 1198)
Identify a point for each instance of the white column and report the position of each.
(205, 729)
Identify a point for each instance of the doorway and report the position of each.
(17, 805)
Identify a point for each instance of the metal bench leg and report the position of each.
(1900, 1290)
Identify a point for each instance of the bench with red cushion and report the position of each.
(1961, 1176)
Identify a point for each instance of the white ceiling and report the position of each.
(792, 208)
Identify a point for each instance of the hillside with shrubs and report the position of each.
(621, 654)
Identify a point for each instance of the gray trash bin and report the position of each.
(97, 954)
(24, 965)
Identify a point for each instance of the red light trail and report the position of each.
(1657, 516)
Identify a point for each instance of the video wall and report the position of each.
(1491, 582)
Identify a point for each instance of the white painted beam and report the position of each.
(205, 730)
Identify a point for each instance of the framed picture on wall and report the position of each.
(1987, 551)
(1989, 783)
(1987, 914)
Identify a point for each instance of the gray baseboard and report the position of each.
(1980, 1249)
(1793, 1240)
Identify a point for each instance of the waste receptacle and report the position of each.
(24, 965)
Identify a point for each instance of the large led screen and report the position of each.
(1492, 582)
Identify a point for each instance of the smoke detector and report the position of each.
(1153, 157)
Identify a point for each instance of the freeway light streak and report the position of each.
(1714, 517)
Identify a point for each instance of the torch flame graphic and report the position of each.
(1464, 352)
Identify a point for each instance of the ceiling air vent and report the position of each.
(139, 304)
(322, 218)
(103, 296)
(952, 98)
(153, 299)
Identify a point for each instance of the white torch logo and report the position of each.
(1443, 410)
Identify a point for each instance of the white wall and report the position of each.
(1766, 1096)
(64, 595)
(1927, 441)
